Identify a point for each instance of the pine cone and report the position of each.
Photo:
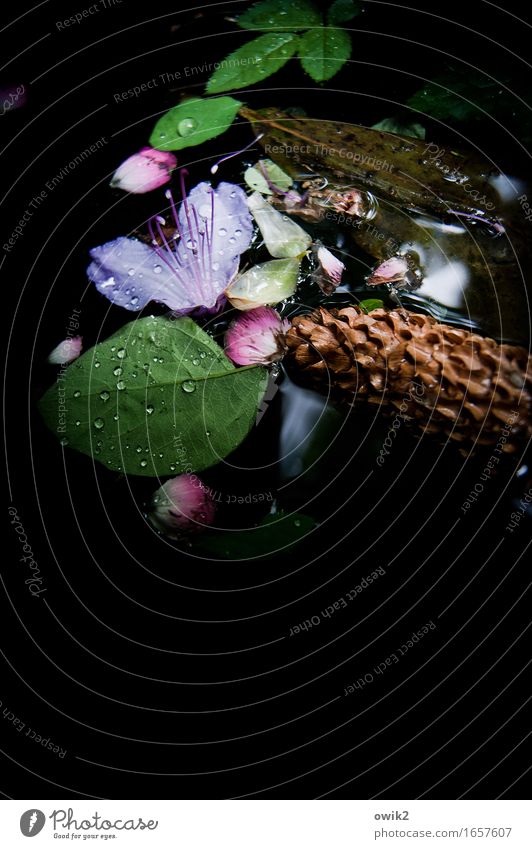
(441, 378)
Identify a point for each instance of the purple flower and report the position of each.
(144, 171)
(256, 337)
(186, 270)
(181, 505)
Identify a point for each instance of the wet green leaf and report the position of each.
(157, 398)
(275, 535)
(193, 122)
(467, 95)
(342, 11)
(371, 304)
(279, 15)
(323, 51)
(253, 62)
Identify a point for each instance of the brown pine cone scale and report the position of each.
(446, 380)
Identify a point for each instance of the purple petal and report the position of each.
(227, 235)
(131, 274)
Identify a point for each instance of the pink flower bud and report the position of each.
(146, 170)
(66, 351)
(181, 505)
(256, 337)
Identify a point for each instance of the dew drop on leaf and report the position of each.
(77, 393)
(120, 385)
(187, 126)
(121, 353)
(99, 424)
(104, 395)
(149, 410)
(117, 371)
(188, 386)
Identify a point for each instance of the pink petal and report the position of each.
(67, 351)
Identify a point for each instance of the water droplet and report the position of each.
(120, 385)
(207, 433)
(297, 523)
(195, 362)
(202, 355)
(222, 231)
(138, 449)
(64, 441)
(121, 353)
(117, 371)
(149, 410)
(157, 269)
(104, 395)
(96, 365)
(131, 271)
(77, 393)
(78, 422)
(188, 386)
(116, 417)
(99, 423)
(187, 126)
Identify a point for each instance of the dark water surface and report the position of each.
(161, 672)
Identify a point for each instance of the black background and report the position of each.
(165, 675)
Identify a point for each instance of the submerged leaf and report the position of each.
(323, 51)
(279, 15)
(157, 398)
(253, 62)
(193, 122)
(276, 533)
(342, 11)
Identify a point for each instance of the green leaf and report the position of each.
(342, 11)
(276, 533)
(279, 15)
(371, 304)
(401, 128)
(255, 179)
(323, 51)
(193, 122)
(462, 94)
(159, 397)
(253, 62)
